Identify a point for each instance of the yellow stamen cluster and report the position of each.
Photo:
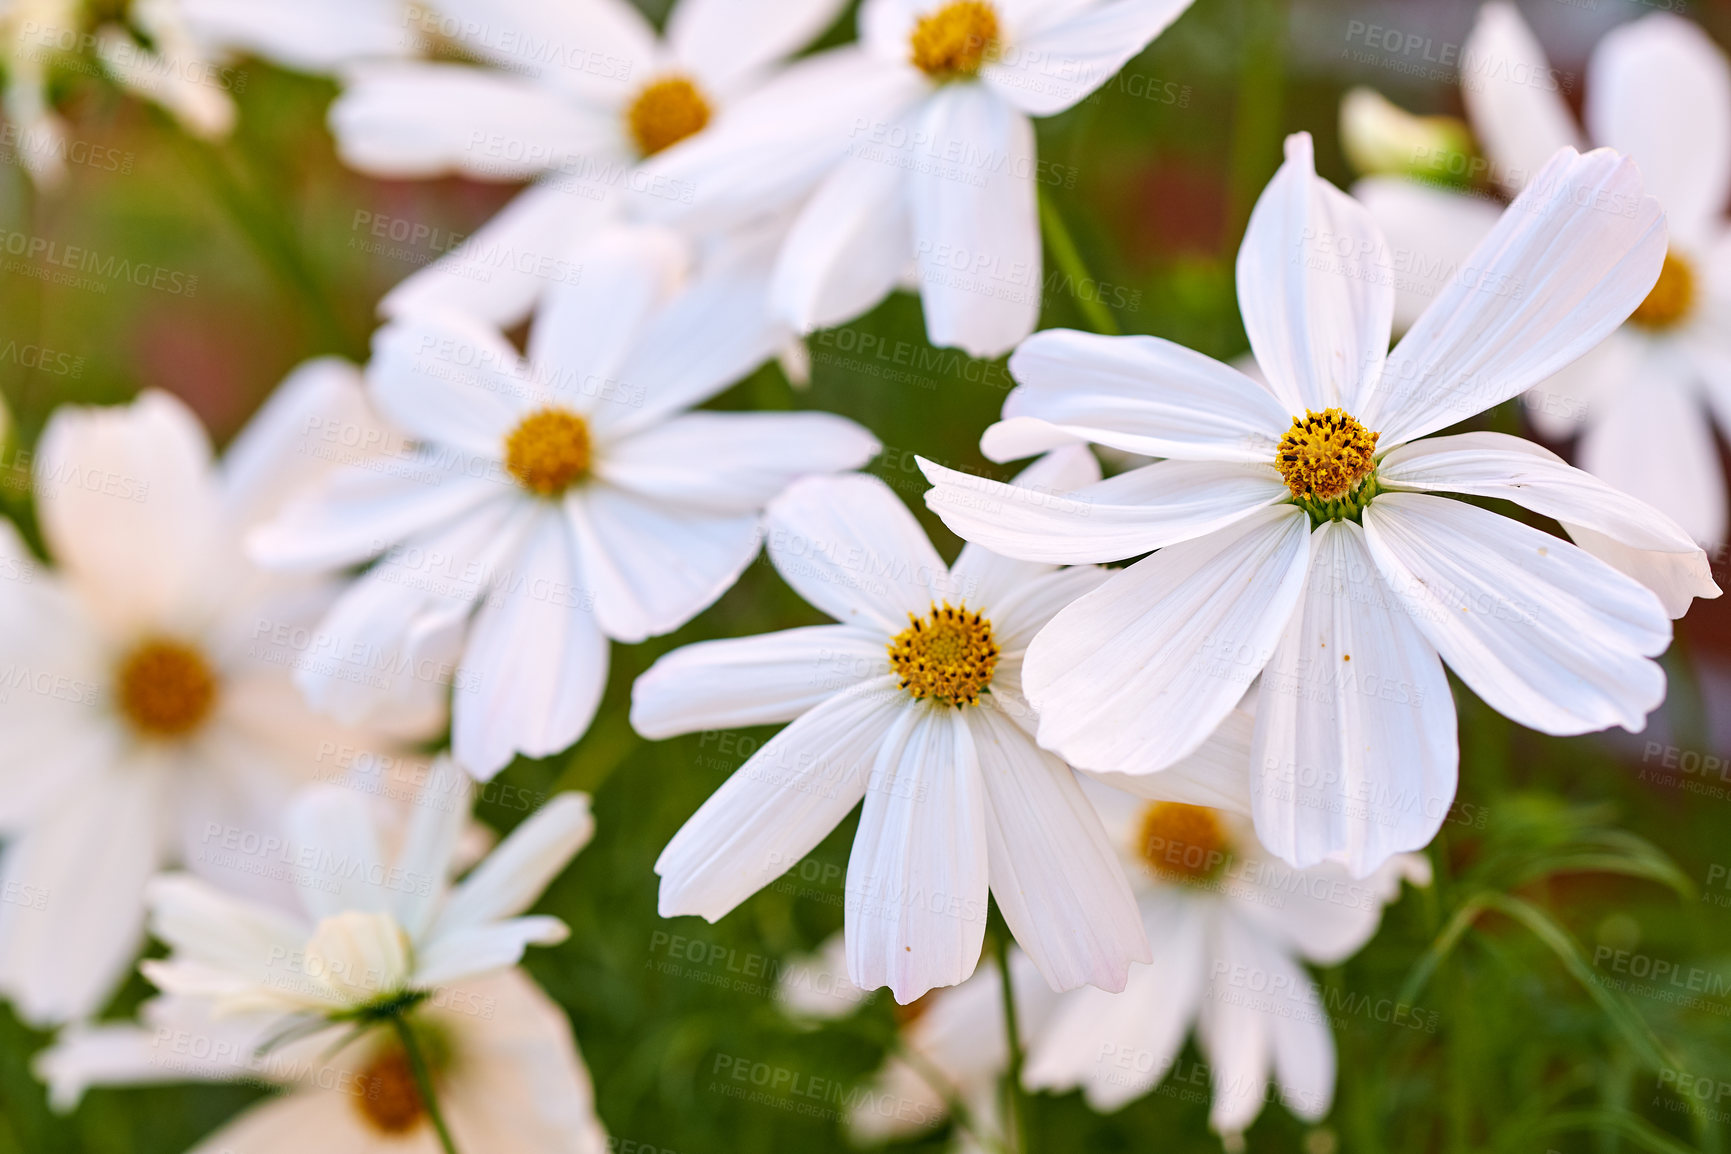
(948, 655)
(955, 40)
(1325, 455)
(665, 112)
(1672, 297)
(165, 688)
(548, 451)
(386, 1094)
(1182, 843)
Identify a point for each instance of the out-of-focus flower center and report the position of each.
(665, 112)
(1182, 843)
(1324, 459)
(165, 688)
(948, 655)
(549, 451)
(1672, 296)
(955, 40)
(386, 1094)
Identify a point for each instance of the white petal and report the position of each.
(536, 661)
(1324, 913)
(334, 826)
(1513, 96)
(753, 680)
(1545, 633)
(1313, 288)
(307, 35)
(1654, 441)
(1123, 516)
(1643, 542)
(1139, 394)
(1237, 1022)
(509, 879)
(976, 225)
(851, 548)
(1118, 1047)
(1063, 60)
(502, 268)
(430, 846)
(848, 247)
(989, 579)
(1055, 876)
(917, 876)
(206, 925)
(1563, 404)
(63, 952)
(1641, 74)
(277, 454)
(485, 949)
(733, 462)
(1430, 231)
(1018, 617)
(779, 804)
(1567, 263)
(1355, 755)
(450, 381)
(725, 41)
(413, 120)
(131, 509)
(1217, 775)
(1139, 672)
(649, 566)
(596, 49)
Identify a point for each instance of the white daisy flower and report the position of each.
(382, 942)
(559, 500)
(912, 703)
(187, 65)
(1231, 927)
(955, 1051)
(1659, 90)
(146, 697)
(915, 147)
(1305, 532)
(573, 95)
(32, 34)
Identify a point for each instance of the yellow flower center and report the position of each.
(1325, 455)
(165, 688)
(665, 112)
(955, 40)
(549, 451)
(1672, 297)
(947, 655)
(1182, 843)
(386, 1094)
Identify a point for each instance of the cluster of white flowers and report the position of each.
(1128, 762)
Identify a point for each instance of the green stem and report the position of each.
(1015, 1099)
(1063, 248)
(423, 1080)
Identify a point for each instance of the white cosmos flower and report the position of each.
(188, 64)
(572, 93)
(914, 147)
(257, 992)
(555, 502)
(1231, 927)
(146, 697)
(1307, 534)
(506, 1071)
(913, 703)
(1659, 90)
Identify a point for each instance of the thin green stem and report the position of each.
(1063, 249)
(1015, 1099)
(423, 1080)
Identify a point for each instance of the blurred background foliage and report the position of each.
(1562, 861)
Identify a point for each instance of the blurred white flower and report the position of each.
(913, 704)
(572, 93)
(1229, 925)
(1380, 137)
(559, 501)
(257, 994)
(146, 697)
(33, 33)
(1659, 90)
(1298, 532)
(915, 148)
